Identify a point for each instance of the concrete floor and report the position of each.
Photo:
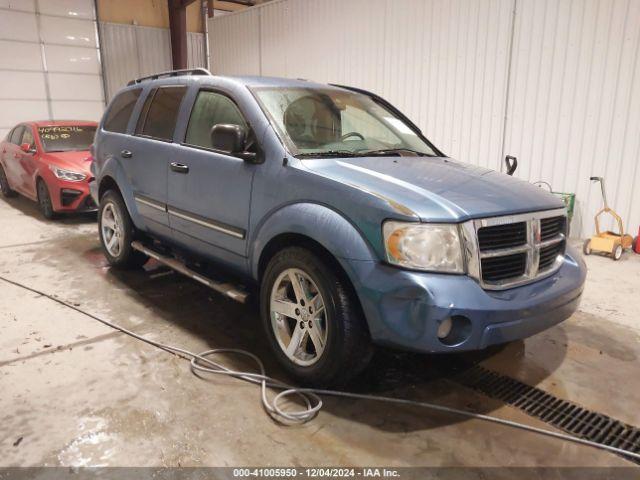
(74, 392)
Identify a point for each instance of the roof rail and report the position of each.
(171, 73)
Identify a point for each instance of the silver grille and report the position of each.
(528, 257)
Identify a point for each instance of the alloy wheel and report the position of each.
(298, 317)
(111, 226)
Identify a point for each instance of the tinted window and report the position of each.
(66, 138)
(210, 109)
(160, 112)
(120, 111)
(16, 135)
(27, 137)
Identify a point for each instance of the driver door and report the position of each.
(209, 191)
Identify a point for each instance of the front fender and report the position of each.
(318, 222)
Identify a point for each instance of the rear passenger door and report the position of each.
(209, 195)
(148, 153)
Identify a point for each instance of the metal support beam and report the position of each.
(178, 29)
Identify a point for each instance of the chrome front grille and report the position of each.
(504, 252)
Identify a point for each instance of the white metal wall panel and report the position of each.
(68, 31)
(234, 42)
(68, 8)
(154, 49)
(18, 26)
(48, 61)
(119, 54)
(131, 51)
(569, 84)
(574, 102)
(442, 62)
(195, 50)
(19, 5)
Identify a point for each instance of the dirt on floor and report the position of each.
(76, 393)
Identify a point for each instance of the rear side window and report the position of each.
(120, 111)
(160, 113)
(211, 109)
(16, 135)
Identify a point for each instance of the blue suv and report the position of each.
(352, 228)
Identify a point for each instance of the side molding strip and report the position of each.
(207, 223)
(150, 203)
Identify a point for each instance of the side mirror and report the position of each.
(26, 148)
(512, 164)
(231, 138)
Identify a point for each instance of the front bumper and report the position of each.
(71, 196)
(404, 308)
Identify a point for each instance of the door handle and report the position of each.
(126, 154)
(179, 167)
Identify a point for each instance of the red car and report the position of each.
(49, 162)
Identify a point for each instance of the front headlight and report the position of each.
(68, 175)
(423, 246)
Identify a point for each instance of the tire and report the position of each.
(586, 247)
(340, 328)
(6, 190)
(617, 252)
(117, 232)
(44, 200)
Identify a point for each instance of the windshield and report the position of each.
(314, 121)
(63, 138)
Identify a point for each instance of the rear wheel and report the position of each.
(117, 232)
(617, 252)
(313, 322)
(44, 200)
(4, 185)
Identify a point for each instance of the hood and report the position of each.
(78, 161)
(436, 189)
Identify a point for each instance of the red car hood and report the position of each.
(78, 161)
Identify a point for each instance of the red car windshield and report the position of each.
(66, 138)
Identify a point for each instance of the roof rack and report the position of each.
(171, 73)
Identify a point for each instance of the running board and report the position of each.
(226, 289)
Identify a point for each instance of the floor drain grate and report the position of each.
(555, 411)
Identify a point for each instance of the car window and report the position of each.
(27, 137)
(315, 121)
(66, 138)
(209, 109)
(120, 111)
(160, 113)
(16, 135)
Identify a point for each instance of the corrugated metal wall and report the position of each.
(131, 51)
(574, 101)
(564, 72)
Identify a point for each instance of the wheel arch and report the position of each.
(310, 224)
(107, 183)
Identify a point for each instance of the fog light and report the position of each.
(444, 329)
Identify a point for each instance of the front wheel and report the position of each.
(312, 320)
(44, 200)
(117, 232)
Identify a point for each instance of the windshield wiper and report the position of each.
(397, 151)
(330, 153)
